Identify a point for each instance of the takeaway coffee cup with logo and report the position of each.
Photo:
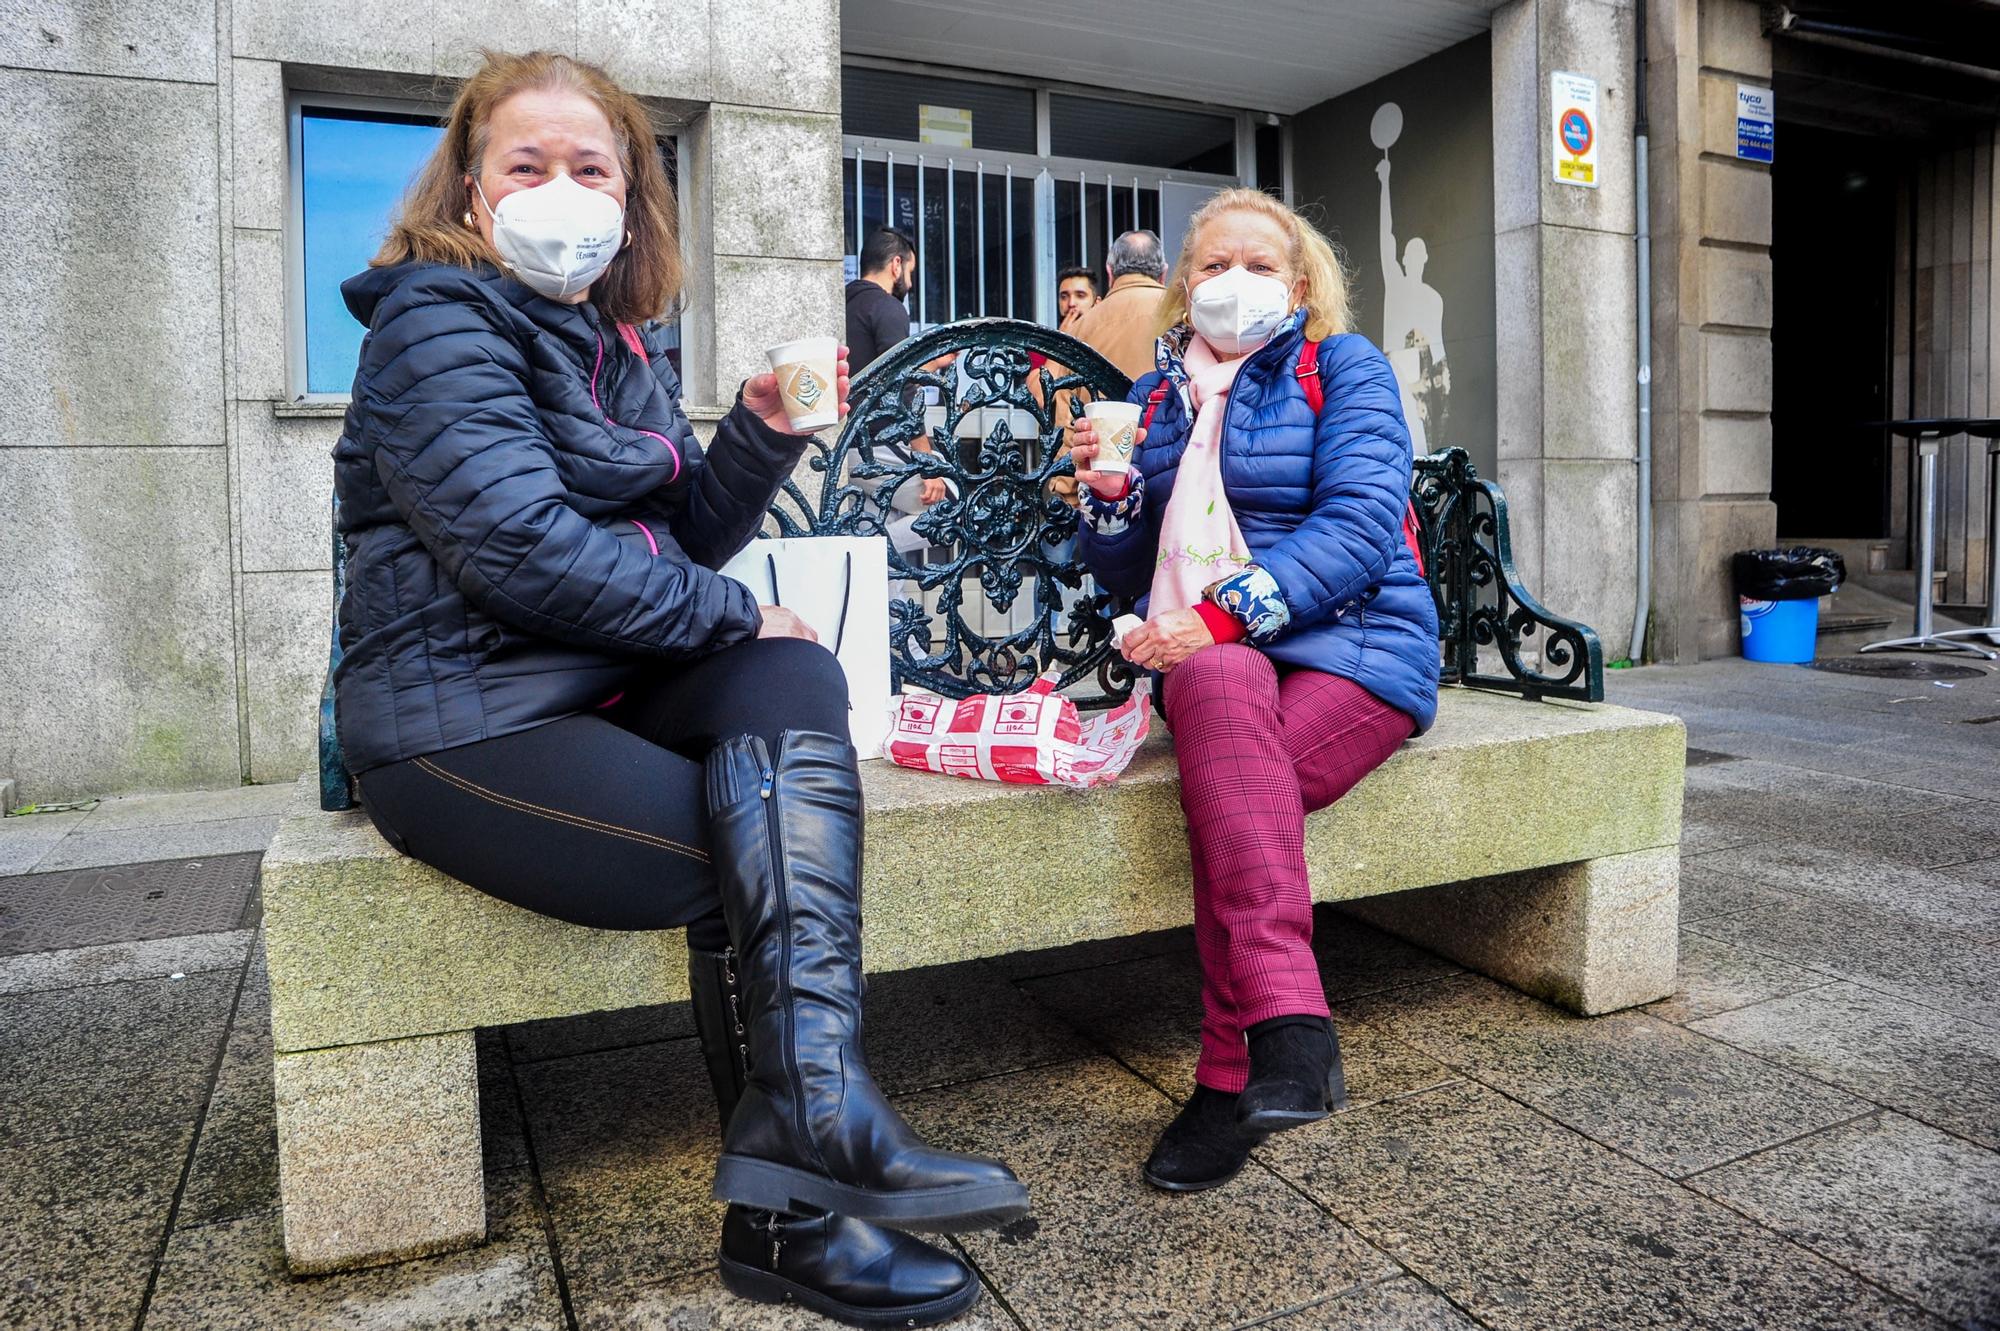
(1116, 423)
(805, 370)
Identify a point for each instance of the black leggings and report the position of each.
(601, 819)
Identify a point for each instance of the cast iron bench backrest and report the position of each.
(1008, 534)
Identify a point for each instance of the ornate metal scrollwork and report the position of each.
(1007, 532)
(1469, 559)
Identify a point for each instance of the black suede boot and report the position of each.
(1295, 1074)
(845, 1269)
(812, 1131)
(1203, 1147)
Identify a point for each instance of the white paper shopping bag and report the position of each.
(840, 586)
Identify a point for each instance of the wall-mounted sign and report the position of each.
(1573, 104)
(1756, 122)
(947, 126)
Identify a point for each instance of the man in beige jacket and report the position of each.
(1123, 326)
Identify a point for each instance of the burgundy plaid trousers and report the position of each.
(1258, 750)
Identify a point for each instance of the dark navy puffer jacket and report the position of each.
(501, 528)
(1321, 506)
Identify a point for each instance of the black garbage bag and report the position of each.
(1802, 573)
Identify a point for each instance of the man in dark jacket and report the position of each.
(877, 319)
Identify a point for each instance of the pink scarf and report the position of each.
(1199, 539)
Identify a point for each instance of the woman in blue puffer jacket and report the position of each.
(548, 691)
(1261, 525)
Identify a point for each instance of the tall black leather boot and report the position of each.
(845, 1269)
(812, 1131)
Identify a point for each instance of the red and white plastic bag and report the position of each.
(1034, 738)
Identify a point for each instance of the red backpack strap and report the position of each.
(630, 334)
(1153, 401)
(1308, 373)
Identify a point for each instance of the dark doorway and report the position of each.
(1833, 246)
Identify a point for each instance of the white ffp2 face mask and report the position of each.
(1237, 311)
(557, 238)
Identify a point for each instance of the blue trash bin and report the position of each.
(1782, 631)
(1777, 595)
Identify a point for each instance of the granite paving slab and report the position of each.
(1914, 959)
(74, 1062)
(84, 1220)
(1971, 780)
(161, 898)
(84, 849)
(1095, 952)
(1664, 1259)
(231, 1276)
(1103, 1249)
(1148, 1014)
(700, 1303)
(1708, 890)
(627, 1141)
(1400, 1304)
(149, 959)
(1665, 1096)
(1881, 884)
(560, 1037)
(234, 1172)
(27, 838)
(1926, 1063)
(942, 1024)
(1356, 958)
(1911, 1208)
(1715, 977)
(1699, 836)
(175, 809)
(1978, 871)
(503, 1130)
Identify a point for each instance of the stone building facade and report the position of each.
(164, 480)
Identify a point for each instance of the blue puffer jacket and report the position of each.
(500, 528)
(1321, 506)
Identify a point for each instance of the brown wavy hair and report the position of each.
(1311, 256)
(429, 226)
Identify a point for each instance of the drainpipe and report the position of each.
(1643, 238)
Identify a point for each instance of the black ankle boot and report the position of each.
(1295, 1074)
(848, 1270)
(1203, 1147)
(812, 1131)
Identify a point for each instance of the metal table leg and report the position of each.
(1925, 639)
(1991, 629)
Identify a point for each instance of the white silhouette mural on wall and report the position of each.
(1412, 312)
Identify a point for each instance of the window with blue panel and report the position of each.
(354, 167)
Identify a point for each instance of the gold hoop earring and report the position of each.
(470, 225)
(628, 236)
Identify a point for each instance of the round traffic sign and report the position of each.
(1576, 132)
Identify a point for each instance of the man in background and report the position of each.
(1124, 325)
(877, 318)
(1076, 291)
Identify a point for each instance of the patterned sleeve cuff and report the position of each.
(1252, 596)
(1111, 517)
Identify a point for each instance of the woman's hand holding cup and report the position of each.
(806, 390)
(1086, 447)
(782, 623)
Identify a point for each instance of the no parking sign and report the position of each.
(1573, 106)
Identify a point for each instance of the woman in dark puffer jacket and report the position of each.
(549, 693)
(1263, 517)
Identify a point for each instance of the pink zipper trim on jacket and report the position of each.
(594, 370)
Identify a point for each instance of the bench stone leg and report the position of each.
(1593, 937)
(378, 1152)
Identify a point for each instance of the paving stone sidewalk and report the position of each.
(1807, 1135)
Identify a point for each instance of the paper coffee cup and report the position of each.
(805, 370)
(1116, 423)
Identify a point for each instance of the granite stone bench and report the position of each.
(1536, 841)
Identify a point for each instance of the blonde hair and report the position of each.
(1310, 255)
(430, 226)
